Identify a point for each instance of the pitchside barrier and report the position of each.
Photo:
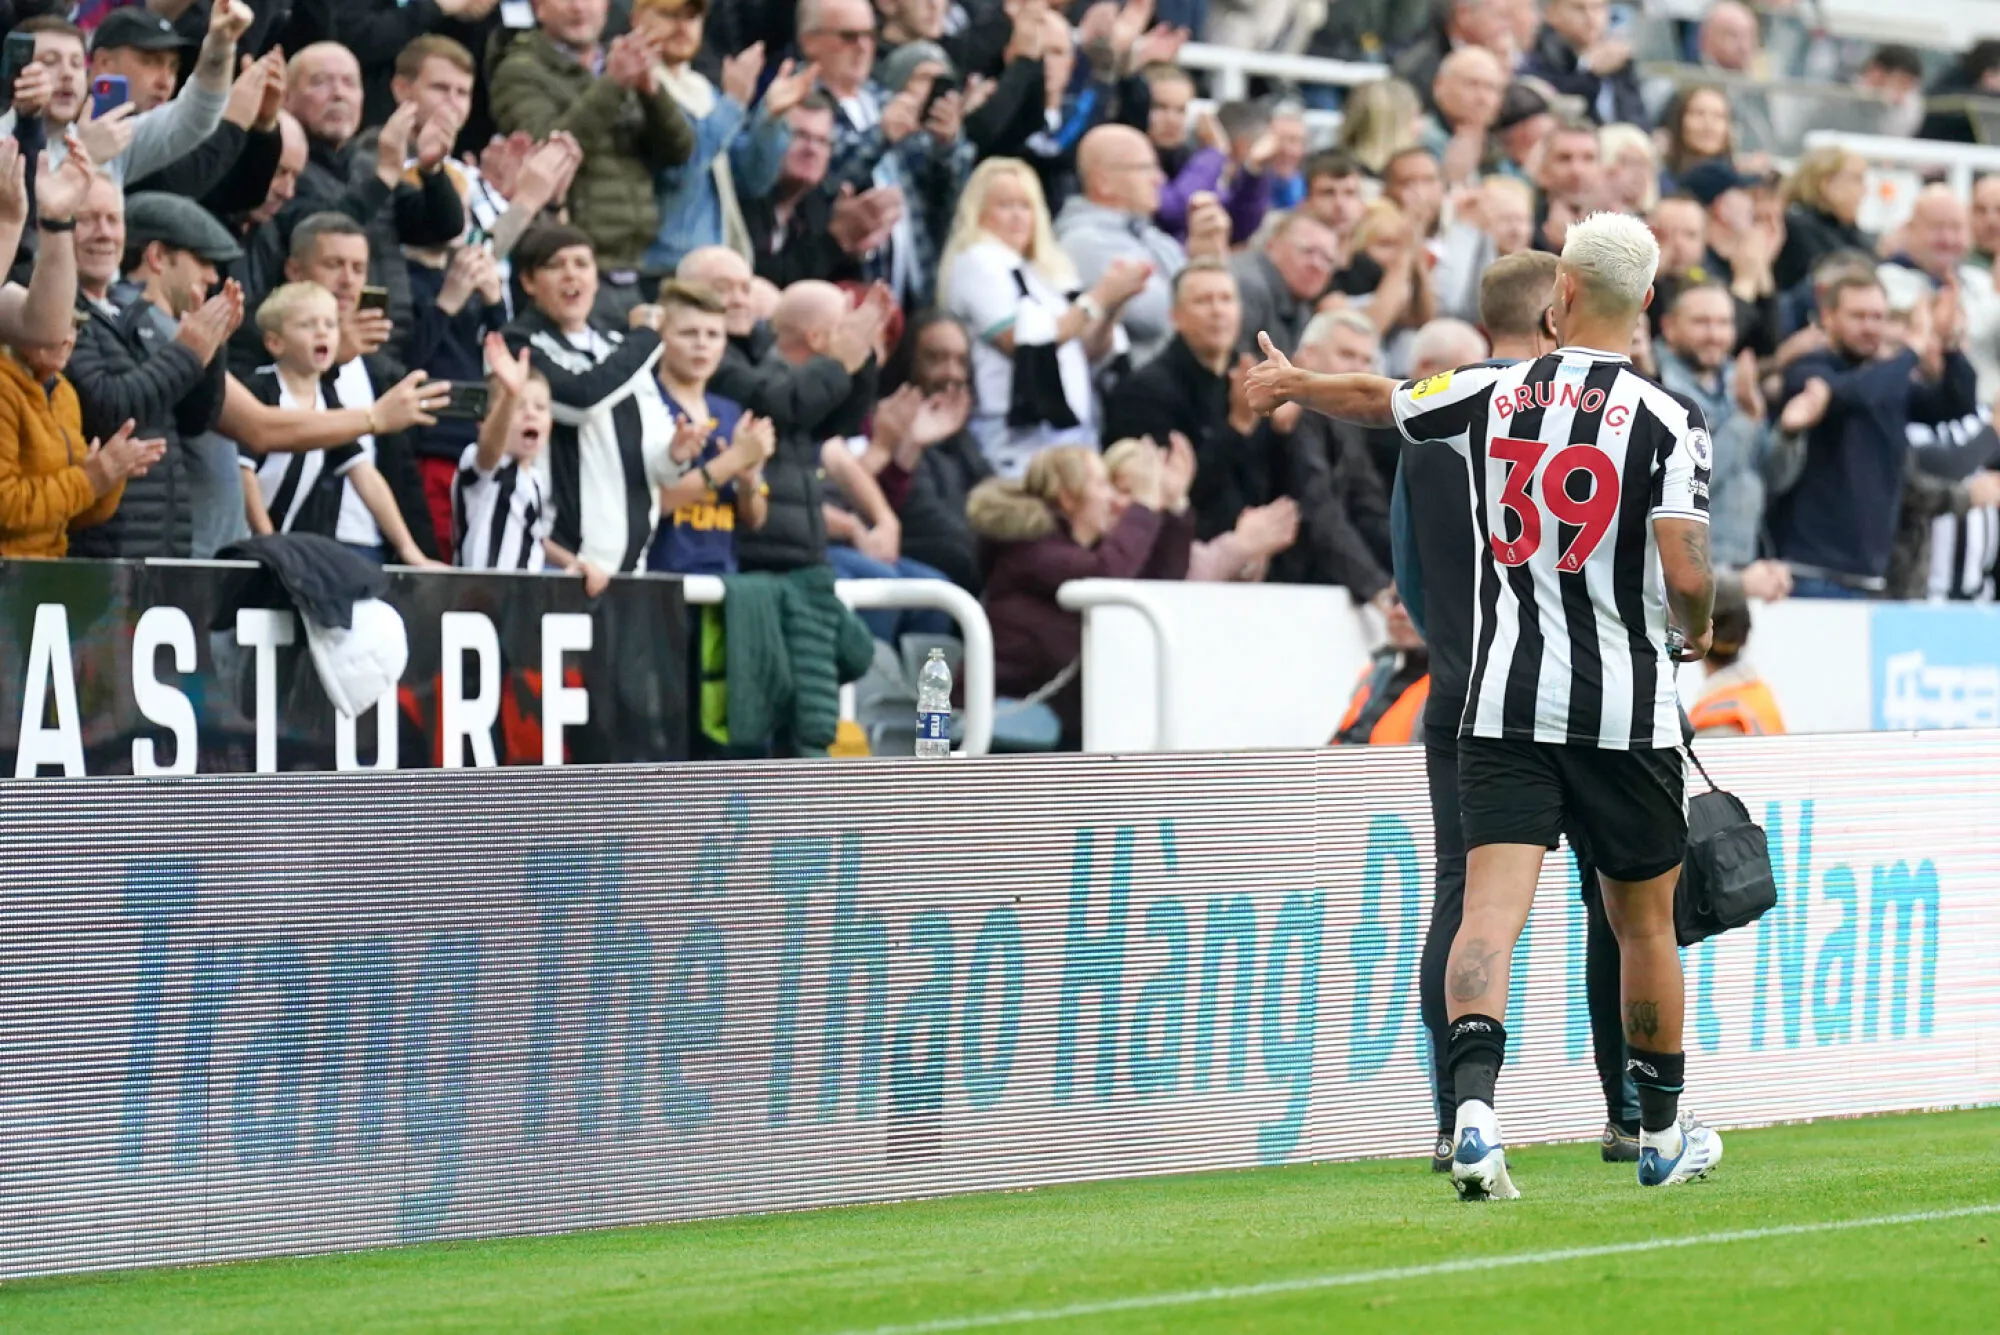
(1170, 666)
(243, 1015)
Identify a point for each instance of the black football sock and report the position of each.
(1477, 1047)
(1660, 1077)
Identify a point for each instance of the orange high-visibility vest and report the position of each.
(1746, 707)
(1398, 724)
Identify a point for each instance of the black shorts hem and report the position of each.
(1633, 879)
(1624, 811)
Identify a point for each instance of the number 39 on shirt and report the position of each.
(1571, 470)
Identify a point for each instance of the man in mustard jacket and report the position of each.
(51, 477)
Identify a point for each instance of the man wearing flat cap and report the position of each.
(148, 355)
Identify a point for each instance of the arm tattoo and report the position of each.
(1694, 543)
(1642, 1019)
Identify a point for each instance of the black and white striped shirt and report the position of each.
(608, 453)
(304, 491)
(1965, 549)
(1571, 457)
(499, 518)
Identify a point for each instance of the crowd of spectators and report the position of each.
(951, 289)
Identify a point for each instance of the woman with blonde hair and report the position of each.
(1631, 169)
(1380, 120)
(1062, 520)
(1822, 200)
(1035, 336)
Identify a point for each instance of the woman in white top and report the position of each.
(1037, 338)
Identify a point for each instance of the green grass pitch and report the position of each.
(1276, 1249)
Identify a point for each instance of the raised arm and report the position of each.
(262, 429)
(1364, 399)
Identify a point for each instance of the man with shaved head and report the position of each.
(815, 333)
(1460, 24)
(789, 393)
(1443, 344)
(1937, 243)
(1729, 41)
(343, 172)
(1112, 219)
(1470, 85)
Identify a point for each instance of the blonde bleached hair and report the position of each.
(1044, 256)
(1614, 256)
(288, 300)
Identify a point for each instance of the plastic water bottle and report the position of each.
(934, 707)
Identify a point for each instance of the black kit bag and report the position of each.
(1726, 879)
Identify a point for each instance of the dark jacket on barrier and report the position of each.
(1029, 554)
(130, 368)
(794, 533)
(313, 575)
(790, 645)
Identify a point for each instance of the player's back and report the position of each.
(1570, 457)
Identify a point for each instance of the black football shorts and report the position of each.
(1625, 812)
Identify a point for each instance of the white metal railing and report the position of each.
(1962, 162)
(1234, 68)
(1322, 127)
(869, 595)
(1086, 594)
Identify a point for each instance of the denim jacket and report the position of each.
(690, 210)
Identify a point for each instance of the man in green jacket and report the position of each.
(563, 76)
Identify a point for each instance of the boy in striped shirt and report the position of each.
(301, 492)
(502, 513)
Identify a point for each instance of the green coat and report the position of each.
(788, 644)
(625, 136)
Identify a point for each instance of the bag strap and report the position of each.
(1688, 748)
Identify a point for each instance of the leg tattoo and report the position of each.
(1471, 970)
(1642, 1019)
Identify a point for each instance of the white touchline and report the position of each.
(1186, 1297)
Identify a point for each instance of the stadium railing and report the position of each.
(1199, 667)
(1232, 69)
(1961, 162)
(1792, 108)
(869, 595)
